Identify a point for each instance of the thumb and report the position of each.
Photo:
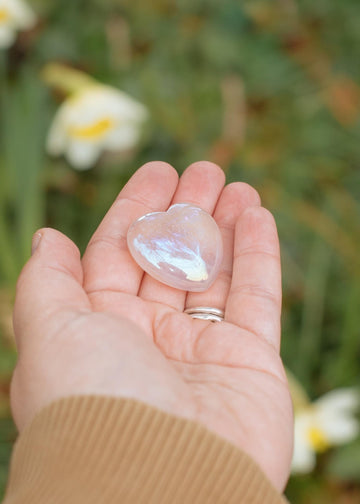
(49, 290)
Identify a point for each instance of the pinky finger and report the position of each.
(254, 301)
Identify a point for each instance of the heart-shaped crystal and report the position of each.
(181, 248)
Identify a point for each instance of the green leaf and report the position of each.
(344, 463)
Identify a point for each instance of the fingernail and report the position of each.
(35, 242)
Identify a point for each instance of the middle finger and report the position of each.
(201, 185)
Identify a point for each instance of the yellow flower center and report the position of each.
(4, 15)
(93, 131)
(318, 440)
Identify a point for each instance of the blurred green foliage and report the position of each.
(270, 90)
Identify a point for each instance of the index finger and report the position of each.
(108, 265)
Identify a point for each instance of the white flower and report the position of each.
(327, 422)
(14, 15)
(95, 118)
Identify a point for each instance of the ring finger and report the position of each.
(232, 202)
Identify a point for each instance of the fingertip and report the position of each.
(259, 216)
(51, 281)
(52, 249)
(234, 200)
(256, 226)
(160, 171)
(248, 194)
(200, 184)
(35, 242)
(160, 167)
(54, 241)
(153, 182)
(209, 170)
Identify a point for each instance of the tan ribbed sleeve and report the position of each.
(103, 450)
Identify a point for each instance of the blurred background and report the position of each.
(268, 89)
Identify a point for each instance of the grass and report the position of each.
(270, 91)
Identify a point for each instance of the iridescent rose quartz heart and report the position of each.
(181, 248)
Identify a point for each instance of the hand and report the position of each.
(102, 326)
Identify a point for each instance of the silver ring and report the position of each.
(206, 313)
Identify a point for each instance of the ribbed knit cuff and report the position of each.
(92, 449)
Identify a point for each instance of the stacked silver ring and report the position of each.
(206, 313)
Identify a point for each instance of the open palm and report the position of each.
(101, 326)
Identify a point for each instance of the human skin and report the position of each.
(99, 325)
